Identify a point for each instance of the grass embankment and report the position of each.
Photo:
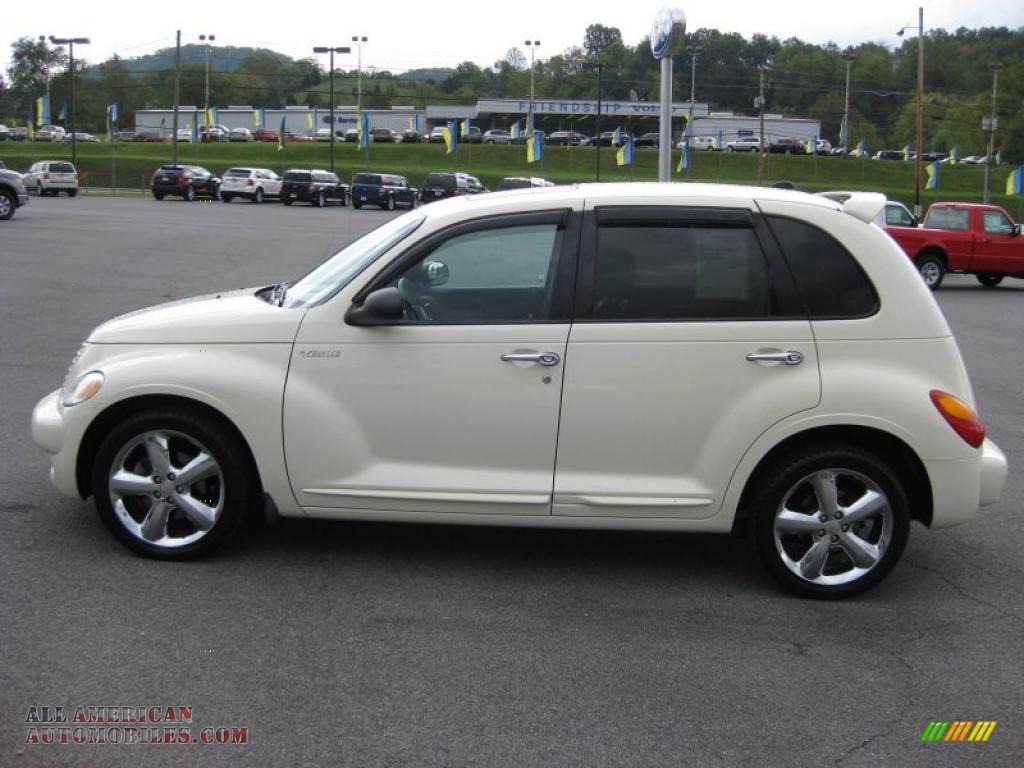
(129, 166)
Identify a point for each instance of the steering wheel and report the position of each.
(415, 305)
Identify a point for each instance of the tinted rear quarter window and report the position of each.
(370, 179)
(831, 282)
(443, 180)
(296, 176)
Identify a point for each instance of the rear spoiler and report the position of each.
(864, 205)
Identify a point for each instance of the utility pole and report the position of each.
(177, 85)
(849, 58)
(332, 50)
(694, 51)
(206, 50)
(70, 43)
(358, 40)
(995, 66)
(762, 68)
(599, 66)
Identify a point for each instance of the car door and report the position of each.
(688, 343)
(455, 409)
(271, 182)
(999, 247)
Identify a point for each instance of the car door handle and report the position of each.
(791, 357)
(544, 358)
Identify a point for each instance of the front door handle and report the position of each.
(543, 358)
(791, 357)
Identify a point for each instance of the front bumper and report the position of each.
(50, 432)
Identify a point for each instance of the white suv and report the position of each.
(51, 177)
(744, 144)
(678, 357)
(255, 184)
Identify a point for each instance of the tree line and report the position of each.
(803, 80)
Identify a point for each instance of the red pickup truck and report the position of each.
(969, 238)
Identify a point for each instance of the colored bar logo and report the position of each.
(958, 730)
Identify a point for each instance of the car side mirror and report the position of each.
(436, 273)
(384, 306)
(1016, 230)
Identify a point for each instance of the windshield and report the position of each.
(335, 273)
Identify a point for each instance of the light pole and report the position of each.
(206, 50)
(761, 68)
(849, 58)
(70, 43)
(532, 45)
(919, 140)
(599, 66)
(694, 51)
(358, 40)
(332, 51)
(995, 66)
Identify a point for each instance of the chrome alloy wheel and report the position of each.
(832, 527)
(166, 488)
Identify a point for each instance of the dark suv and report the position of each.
(787, 146)
(12, 193)
(185, 181)
(383, 189)
(314, 186)
(438, 186)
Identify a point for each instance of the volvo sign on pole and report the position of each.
(667, 34)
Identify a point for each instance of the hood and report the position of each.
(236, 317)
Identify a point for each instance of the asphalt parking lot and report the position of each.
(385, 645)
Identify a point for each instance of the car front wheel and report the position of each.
(989, 280)
(189, 193)
(390, 203)
(829, 522)
(170, 483)
(321, 200)
(258, 197)
(6, 205)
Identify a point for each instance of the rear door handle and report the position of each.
(792, 357)
(543, 358)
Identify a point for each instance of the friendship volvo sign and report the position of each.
(667, 35)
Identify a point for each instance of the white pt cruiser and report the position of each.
(678, 357)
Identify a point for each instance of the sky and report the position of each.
(406, 35)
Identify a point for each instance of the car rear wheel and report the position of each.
(72, 192)
(258, 197)
(39, 189)
(6, 205)
(158, 195)
(932, 270)
(321, 200)
(189, 193)
(286, 201)
(170, 483)
(830, 521)
(357, 205)
(989, 280)
(227, 198)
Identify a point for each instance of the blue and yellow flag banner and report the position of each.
(451, 137)
(906, 152)
(309, 120)
(721, 140)
(208, 118)
(515, 130)
(535, 148)
(364, 131)
(414, 123)
(255, 118)
(625, 154)
(617, 138)
(811, 147)
(684, 156)
(31, 131)
(1015, 181)
(39, 111)
(861, 150)
(464, 128)
(843, 138)
(280, 135)
(933, 175)
(112, 113)
(954, 155)
(194, 127)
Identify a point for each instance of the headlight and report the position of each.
(88, 385)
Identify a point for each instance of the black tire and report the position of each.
(189, 194)
(854, 473)
(356, 205)
(730, 149)
(989, 280)
(39, 189)
(390, 203)
(415, 202)
(321, 199)
(932, 270)
(72, 192)
(158, 195)
(225, 496)
(346, 199)
(226, 198)
(7, 205)
(258, 197)
(287, 202)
